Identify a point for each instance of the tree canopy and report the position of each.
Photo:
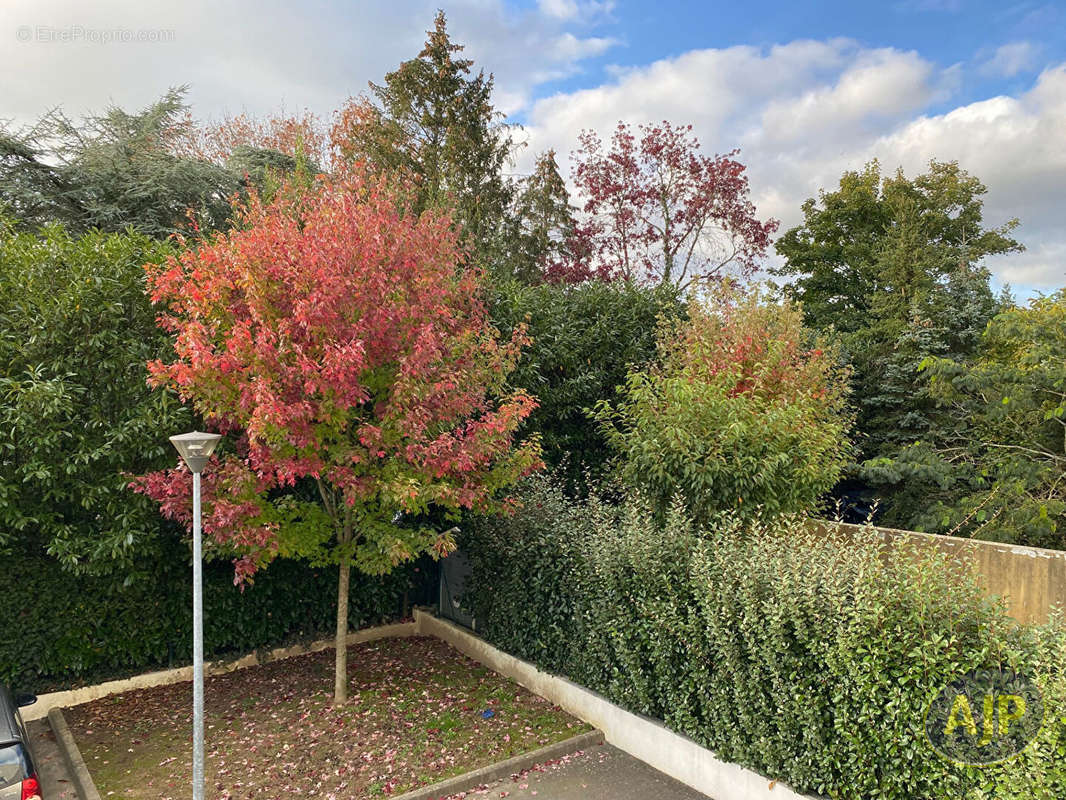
(114, 170)
(544, 243)
(745, 412)
(996, 466)
(866, 252)
(433, 121)
(336, 337)
(657, 210)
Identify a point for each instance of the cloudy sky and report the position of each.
(804, 89)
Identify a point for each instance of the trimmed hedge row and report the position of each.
(61, 629)
(801, 657)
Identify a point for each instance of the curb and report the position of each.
(503, 769)
(644, 738)
(86, 694)
(79, 773)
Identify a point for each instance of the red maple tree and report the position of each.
(659, 211)
(341, 343)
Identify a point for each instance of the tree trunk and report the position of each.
(340, 677)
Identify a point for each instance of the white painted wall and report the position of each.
(641, 737)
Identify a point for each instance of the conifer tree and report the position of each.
(544, 240)
(114, 170)
(433, 121)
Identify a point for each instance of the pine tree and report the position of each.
(114, 170)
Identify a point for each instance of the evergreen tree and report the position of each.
(433, 121)
(112, 171)
(544, 239)
(994, 464)
(946, 321)
(32, 191)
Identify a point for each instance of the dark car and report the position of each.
(18, 775)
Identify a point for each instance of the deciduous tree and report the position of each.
(747, 411)
(264, 151)
(660, 211)
(293, 135)
(892, 268)
(881, 257)
(867, 250)
(339, 340)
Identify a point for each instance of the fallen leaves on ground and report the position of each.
(415, 715)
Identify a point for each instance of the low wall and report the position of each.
(644, 738)
(1031, 580)
(86, 694)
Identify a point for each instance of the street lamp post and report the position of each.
(195, 449)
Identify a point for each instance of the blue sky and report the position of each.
(950, 32)
(806, 90)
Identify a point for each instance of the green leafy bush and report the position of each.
(807, 658)
(746, 412)
(76, 414)
(585, 339)
(540, 621)
(62, 629)
(1039, 772)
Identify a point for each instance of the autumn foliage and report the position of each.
(659, 211)
(290, 134)
(342, 345)
(747, 411)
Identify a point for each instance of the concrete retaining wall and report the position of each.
(1031, 580)
(641, 737)
(73, 697)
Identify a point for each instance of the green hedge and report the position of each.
(61, 630)
(585, 339)
(77, 416)
(803, 658)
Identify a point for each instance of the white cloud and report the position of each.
(877, 86)
(562, 9)
(255, 55)
(572, 9)
(567, 48)
(1011, 59)
(711, 88)
(804, 112)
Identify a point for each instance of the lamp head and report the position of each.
(195, 448)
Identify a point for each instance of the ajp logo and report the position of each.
(985, 716)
